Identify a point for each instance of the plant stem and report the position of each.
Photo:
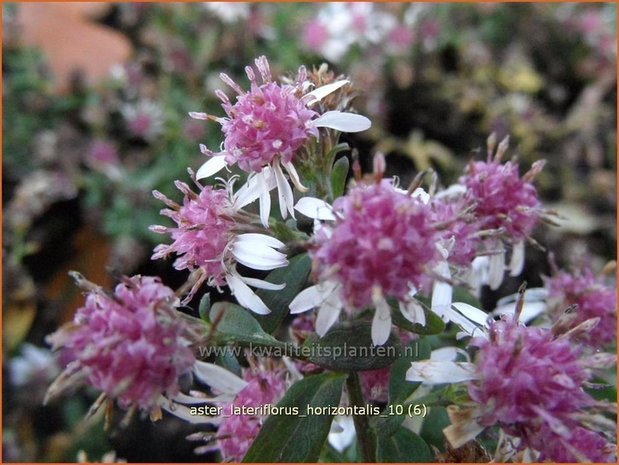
(362, 425)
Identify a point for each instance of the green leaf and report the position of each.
(329, 158)
(294, 275)
(338, 177)
(433, 425)
(205, 306)
(402, 446)
(349, 347)
(235, 324)
(399, 387)
(299, 437)
(434, 324)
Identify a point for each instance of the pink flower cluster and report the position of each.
(531, 384)
(237, 432)
(594, 300)
(204, 223)
(381, 237)
(270, 120)
(130, 345)
(502, 198)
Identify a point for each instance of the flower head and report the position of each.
(529, 382)
(503, 200)
(267, 125)
(131, 345)
(237, 432)
(382, 238)
(381, 244)
(209, 237)
(593, 298)
(524, 373)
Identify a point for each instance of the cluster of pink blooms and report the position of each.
(594, 299)
(268, 121)
(130, 345)
(530, 383)
(381, 237)
(502, 199)
(204, 228)
(237, 432)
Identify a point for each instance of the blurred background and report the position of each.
(96, 96)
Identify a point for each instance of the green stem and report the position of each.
(362, 425)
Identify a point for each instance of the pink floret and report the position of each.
(502, 198)
(129, 347)
(594, 299)
(204, 224)
(270, 120)
(382, 237)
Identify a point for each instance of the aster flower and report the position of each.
(236, 432)
(132, 345)
(594, 299)
(266, 126)
(212, 235)
(381, 244)
(529, 382)
(506, 203)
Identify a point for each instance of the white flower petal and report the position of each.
(496, 270)
(447, 354)
(474, 314)
(190, 400)
(261, 284)
(321, 92)
(260, 240)
(258, 256)
(284, 191)
(245, 296)
(381, 323)
(413, 312)
(315, 208)
(212, 166)
(311, 297)
(328, 313)
(517, 261)
(421, 194)
(530, 310)
(294, 176)
(342, 433)
(442, 291)
(218, 378)
(257, 186)
(438, 372)
(341, 121)
(264, 188)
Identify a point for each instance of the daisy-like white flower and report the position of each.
(264, 128)
(381, 244)
(529, 382)
(212, 235)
